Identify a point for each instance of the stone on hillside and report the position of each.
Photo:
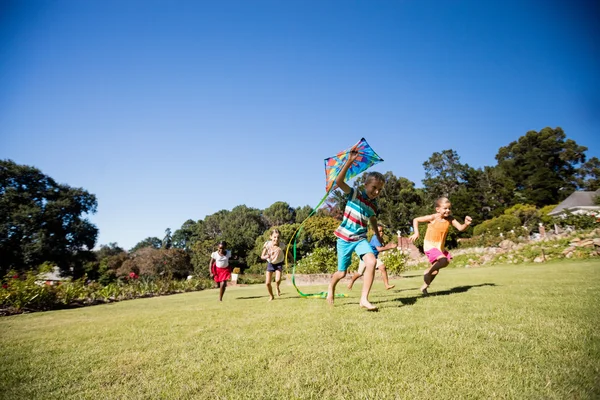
(568, 250)
(585, 243)
(506, 244)
(538, 259)
(596, 241)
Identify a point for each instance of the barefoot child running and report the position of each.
(377, 248)
(435, 238)
(273, 251)
(219, 267)
(360, 210)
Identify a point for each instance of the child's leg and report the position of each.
(355, 277)
(344, 251)
(268, 278)
(278, 281)
(369, 275)
(435, 268)
(431, 272)
(222, 286)
(335, 278)
(384, 275)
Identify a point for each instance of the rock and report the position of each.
(539, 259)
(596, 241)
(506, 244)
(569, 255)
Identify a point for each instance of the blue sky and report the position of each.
(173, 110)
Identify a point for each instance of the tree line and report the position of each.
(42, 221)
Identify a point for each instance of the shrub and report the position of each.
(394, 260)
(323, 260)
(495, 226)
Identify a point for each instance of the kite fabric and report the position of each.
(333, 165)
(366, 159)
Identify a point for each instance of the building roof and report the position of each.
(577, 200)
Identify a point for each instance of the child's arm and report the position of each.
(388, 246)
(265, 253)
(373, 221)
(462, 227)
(416, 221)
(210, 266)
(339, 181)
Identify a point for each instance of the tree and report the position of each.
(167, 241)
(184, 237)
(152, 241)
(542, 165)
(107, 250)
(41, 220)
(302, 213)
(399, 203)
(240, 228)
(589, 175)
(444, 174)
(278, 213)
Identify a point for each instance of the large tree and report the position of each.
(41, 220)
(278, 213)
(151, 241)
(542, 165)
(589, 175)
(444, 174)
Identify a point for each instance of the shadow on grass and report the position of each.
(409, 301)
(282, 297)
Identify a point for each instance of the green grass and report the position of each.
(519, 331)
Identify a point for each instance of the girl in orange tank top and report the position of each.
(434, 243)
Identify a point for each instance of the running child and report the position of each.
(434, 243)
(219, 267)
(377, 248)
(274, 253)
(361, 209)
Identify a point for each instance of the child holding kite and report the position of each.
(219, 267)
(377, 248)
(434, 243)
(273, 252)
(361, 209)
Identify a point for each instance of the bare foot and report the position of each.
(350, 285)
(388, 287)
(270, 298)
(368, 306)
(330, 297)
(278, 292)
(424, 290)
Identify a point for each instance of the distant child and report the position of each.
(377, 247)
(219, 267)
(361, 210)
(435, 238)
(274, 252)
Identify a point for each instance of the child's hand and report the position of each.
(468, 220)
(413, 237)
(353, 155)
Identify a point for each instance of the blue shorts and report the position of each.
(345, 249)
(275, 267)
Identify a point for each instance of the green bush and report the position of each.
(323, 260)
(577, 221)
(495, 226)
(394, 260)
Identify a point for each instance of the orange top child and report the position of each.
(434, 243)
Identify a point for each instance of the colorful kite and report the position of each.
(333, 165)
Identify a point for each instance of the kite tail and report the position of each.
(292, 243)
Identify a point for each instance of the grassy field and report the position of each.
(526, 331)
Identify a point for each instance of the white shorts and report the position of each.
(362, 266)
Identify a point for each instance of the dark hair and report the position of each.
(378, 176)
(222, 243)
(275, 230)
(440, 200)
